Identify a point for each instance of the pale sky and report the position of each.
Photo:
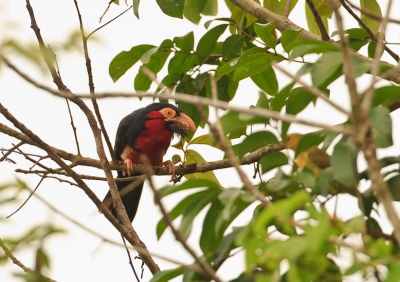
(77, 255)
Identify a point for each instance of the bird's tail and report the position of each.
(130, 198)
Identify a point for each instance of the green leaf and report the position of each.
(373, 7)
(210, 8)
(298, 100)
(167, 275)
(193, 10)
(125, 60)
(179, 209)
(272, 160)
(207, 139)
(222, 212)
(229, 20)
(192, 210)
(226, 245)
(155, 64)
(322, 182)
(172, 8)
(283, 208)
(289, 38)
(207, 245)
(251, 54)
(232, 46)
(386, 95)
(234, 121)
(190, 184)
(192, 157)
(343, 163)
(267, 81)
(136, 7)
(206, 45)
(326, 68)
(186, 42)
(381, 126)
(308, 46)
(267, 34)
(279, 100)
(180, 64)
(252, 66)
(278, 6)
(254, 142)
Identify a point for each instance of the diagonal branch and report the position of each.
(91, 83)
(364, 26)
(318, 20)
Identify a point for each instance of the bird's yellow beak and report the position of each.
(184, 122)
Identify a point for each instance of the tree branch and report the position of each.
(318, 20)
(91, 83)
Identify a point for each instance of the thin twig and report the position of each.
(30, 195)
(91, 84)
(318, 20)
(106, 10)
(73, 127)
(287, 8)
(17, 262)
(4, 157)
(368, 95)
(130, 259)
(364, 26)
(207, 269)
(100, 27)
(370, 14)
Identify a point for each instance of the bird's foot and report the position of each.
(171, 168)
(129, 168)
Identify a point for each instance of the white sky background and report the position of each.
(77, 255)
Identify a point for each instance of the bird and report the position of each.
(147, 131)
(316, 160)
(313, 158)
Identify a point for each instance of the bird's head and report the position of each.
(292, 140)
(176, 121)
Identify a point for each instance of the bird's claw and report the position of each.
(129, 168)
(171, 168)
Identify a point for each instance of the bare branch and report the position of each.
(73, 127)
(32, 192)
(91, 84)
(100, 27)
